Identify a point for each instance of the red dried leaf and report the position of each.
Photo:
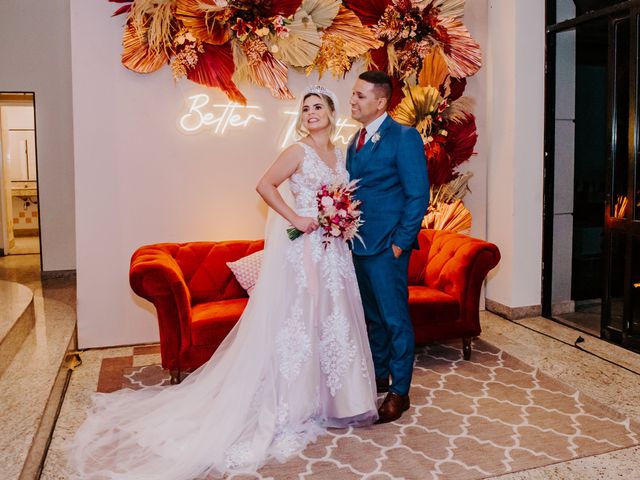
(461, 140)
(121, 10)
(380, 60)
(456, 87)
(445, 153)
(215, 69)
(368, 11)
(283, 7)
(440, 171)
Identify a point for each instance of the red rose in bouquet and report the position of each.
(338, 212)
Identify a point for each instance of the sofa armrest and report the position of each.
(156, 276)
(458, 265)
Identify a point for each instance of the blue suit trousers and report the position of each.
(382, 279)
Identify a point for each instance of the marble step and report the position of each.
(33, 383)
(17, 320)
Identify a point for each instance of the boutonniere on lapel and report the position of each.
(376, 138)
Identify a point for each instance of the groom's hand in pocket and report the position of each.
(397, 251)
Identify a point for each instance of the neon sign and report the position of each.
(220, 117)
(224, 115)
(340, 136)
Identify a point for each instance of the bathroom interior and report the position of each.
(18, 176)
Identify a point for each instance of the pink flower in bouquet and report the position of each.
(338, 212)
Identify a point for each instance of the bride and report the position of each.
(298, 361)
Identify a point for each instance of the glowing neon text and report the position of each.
(223, 116)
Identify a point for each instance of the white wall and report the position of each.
(515, 99)
(140, 180)
(475, 18)
(35, 57)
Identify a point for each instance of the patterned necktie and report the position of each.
(363, 133)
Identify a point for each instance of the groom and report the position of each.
(389, 160)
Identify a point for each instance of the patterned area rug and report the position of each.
(469, 420)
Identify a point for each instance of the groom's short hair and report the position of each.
(380, 80)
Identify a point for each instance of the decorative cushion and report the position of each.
(247, 270)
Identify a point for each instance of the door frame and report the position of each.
(9, 99)
(628, 226)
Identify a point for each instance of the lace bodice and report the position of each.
(311, 175)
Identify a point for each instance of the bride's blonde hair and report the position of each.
(329, 104)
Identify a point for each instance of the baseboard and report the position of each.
(26, 232)
(513, 313)
(55, 274)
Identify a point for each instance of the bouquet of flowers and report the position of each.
(338, 212)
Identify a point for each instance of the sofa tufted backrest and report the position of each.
(204, 266)
(418, 260)
(444, 255)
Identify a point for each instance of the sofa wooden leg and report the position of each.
(175, 376)
(466, 348)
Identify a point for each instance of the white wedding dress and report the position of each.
(298, 361)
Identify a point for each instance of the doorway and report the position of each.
(19, 200)
(591, 263)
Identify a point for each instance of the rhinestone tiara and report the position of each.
(323, 91)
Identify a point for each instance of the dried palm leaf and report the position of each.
(367, 61)
(456, 189)
(459, 110)
(267, 71)
(454, 217)
(272, 74)
(434, 69)
(322, 11)
(242, 72)
(215, 69)
(301, 46)
(449, 8)
(392, 60)
(156, 16)
(418, 104)
(358, 38)
(207, 21)
(136, 53)
(461, 52)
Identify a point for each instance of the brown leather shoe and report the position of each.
(382, 385)
(392, 407)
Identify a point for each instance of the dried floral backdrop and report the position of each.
(423, 45)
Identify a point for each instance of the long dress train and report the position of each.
(297, 362)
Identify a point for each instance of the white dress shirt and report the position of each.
(373, 127)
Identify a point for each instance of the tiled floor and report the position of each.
(609, 384)
(614, 386)
(25, 245)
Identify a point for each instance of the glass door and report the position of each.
(591, 247)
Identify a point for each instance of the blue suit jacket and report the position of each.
(393, 188)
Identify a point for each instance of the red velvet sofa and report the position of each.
(198, 299)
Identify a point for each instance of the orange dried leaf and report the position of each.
(357, 38)
(136, 52)
(209, 27)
